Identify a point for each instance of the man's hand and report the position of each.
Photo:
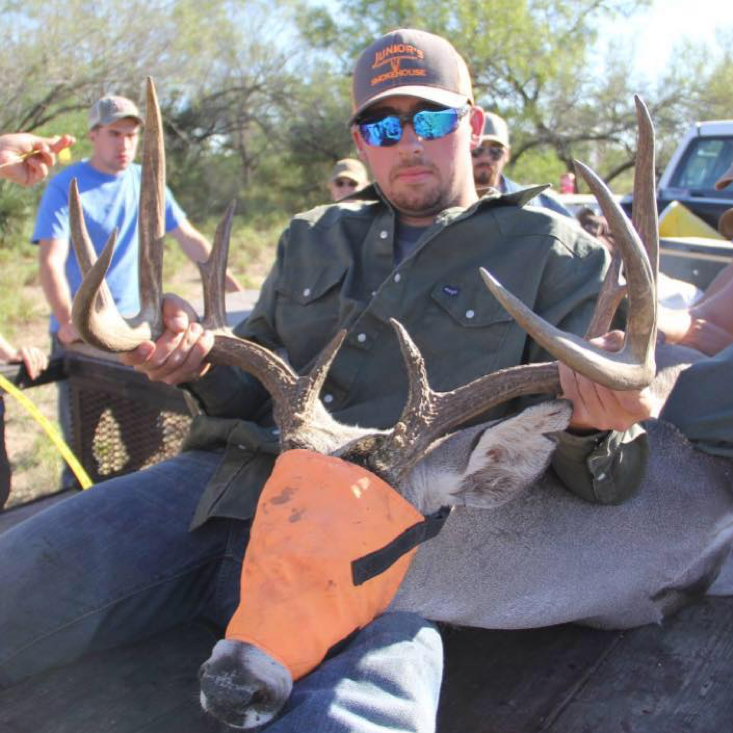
(67, 334)
(26, 159)
(178, 355)
(598, 408)
(34, 359)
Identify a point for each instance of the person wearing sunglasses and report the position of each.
(409, 247)
(348, 176)
(489, 160)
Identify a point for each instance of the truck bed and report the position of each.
(674, 678)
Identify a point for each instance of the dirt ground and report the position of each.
(35, 463)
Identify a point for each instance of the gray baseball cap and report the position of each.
(352, 169)
(495, 129)
(109, 109)
(414, 63)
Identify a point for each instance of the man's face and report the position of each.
(340, 187)
(488, 162)
(114, 145)
(422, 177)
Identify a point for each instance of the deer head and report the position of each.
(430, 465)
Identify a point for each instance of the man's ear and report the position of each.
(511, 455)
(476, 120)
(358, 142)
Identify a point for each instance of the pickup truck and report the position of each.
(702, 157)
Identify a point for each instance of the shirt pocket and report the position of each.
(308, 310)
(468, 315)
(469, 303)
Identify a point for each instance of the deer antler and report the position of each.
(427, 414)
(633, 367)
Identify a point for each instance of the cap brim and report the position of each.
(725, 224)
(140, 121)
(429, 94)
(493, 138)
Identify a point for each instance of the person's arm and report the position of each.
(708, 324)
(26, 159)
(52, 255)
(197, 248)
(602, 456)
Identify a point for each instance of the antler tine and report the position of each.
(428, 414)
(98, 321)
(213, 274)
(612, 292)
(83, 247)
(151, 217)
(93, 311)
(295, 398)
(644, 215)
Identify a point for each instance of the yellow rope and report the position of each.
(51, 431)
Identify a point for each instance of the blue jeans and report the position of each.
(117, 563)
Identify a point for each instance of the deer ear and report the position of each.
(510, 455)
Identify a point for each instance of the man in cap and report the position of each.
(490, 157)
(407, 247)
(109, 185)
(348, 176)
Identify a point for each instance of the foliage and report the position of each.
(255, 94)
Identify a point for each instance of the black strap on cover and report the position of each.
(368, 566)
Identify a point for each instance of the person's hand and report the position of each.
(598, 408)
(686, 327)
(34, 359)
(67, 333)
(26, 159)
(178, 355)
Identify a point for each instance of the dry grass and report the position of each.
(35, 463)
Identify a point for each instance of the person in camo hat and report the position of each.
(407, 247)
(348, 176)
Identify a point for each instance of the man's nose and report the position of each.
(410, 139)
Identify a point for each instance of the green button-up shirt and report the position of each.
(335, 269)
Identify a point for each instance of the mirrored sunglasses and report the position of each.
(493, 151)
(428, 124)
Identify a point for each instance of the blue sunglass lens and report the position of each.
(431, 125)
(382, 133)
(428, 124)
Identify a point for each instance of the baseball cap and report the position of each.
(726, 179)
(495, 128)
(352, 169)
(414, 63)
(109, 109)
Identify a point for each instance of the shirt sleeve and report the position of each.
(174, 214)
(52, 220)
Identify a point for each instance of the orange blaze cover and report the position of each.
(315, 515)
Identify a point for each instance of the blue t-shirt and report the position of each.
(108, 202)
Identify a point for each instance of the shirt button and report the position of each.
(361, 338)
(306, 292)
(328, 399)
(397, 277)
(374, 292)
(470, 314)
(383, 234)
